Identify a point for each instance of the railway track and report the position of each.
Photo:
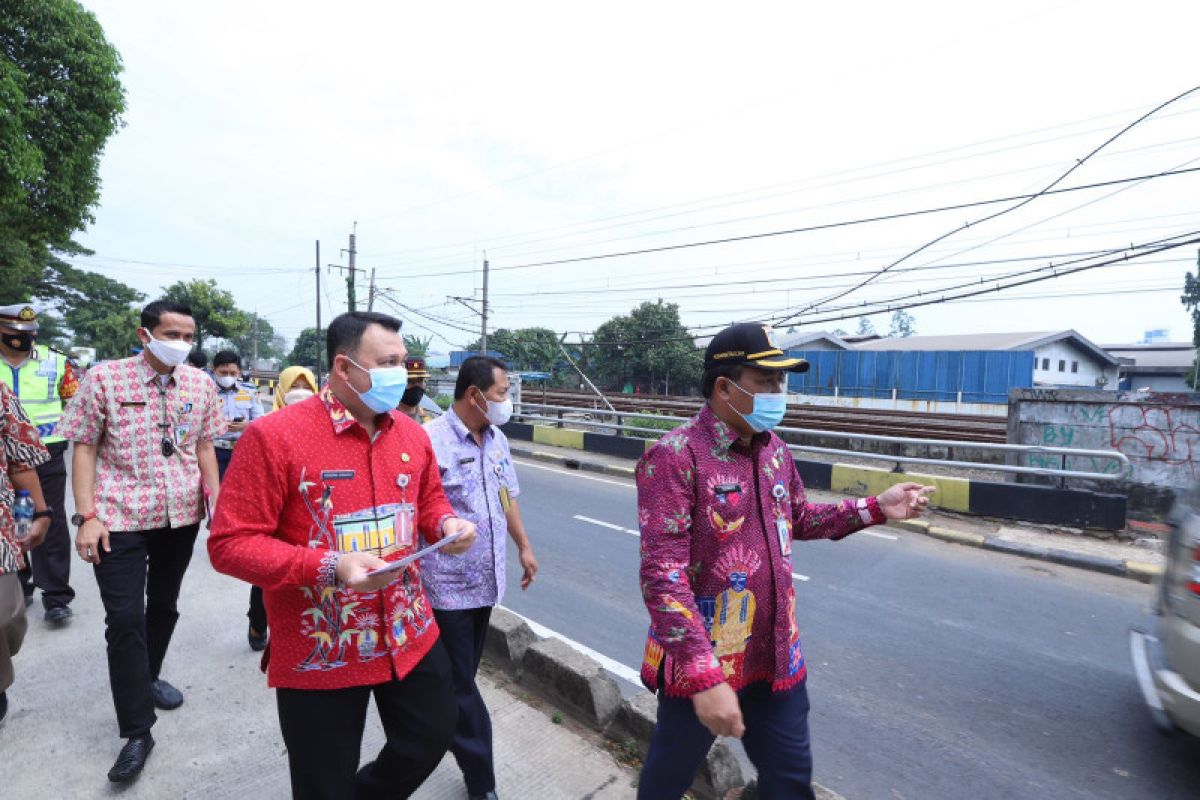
(835, 419)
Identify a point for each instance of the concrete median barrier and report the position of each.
(508, 638)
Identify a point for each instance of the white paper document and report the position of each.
(396, 566)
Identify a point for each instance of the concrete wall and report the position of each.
(1159, 433)
(900, 404)
(1089, 369)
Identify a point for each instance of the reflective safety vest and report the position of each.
(36, 386)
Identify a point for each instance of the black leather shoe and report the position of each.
(484, 796)
(166, 696)
(58, 614)
(258, 641)
(3, 705)
(131, 759)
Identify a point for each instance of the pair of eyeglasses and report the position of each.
(167, 447)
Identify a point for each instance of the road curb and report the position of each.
(582, 687)
(1134, 570)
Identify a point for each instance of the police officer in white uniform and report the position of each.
(240, 400)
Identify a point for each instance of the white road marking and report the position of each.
(608, 525)
(613, 527)
(573, 473)
(615, 667)
(879, 535)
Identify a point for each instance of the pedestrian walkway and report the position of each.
(60, 736)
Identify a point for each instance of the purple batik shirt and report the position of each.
(475, 479)
(718, 520)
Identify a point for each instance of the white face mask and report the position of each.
(498, 413)
(170, 352)
(296, 396)
(226, 381)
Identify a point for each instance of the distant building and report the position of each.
(1156, 365)
(810, 340)
(1060, 358)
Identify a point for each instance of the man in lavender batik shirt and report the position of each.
(481, 485)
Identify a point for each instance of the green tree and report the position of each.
(417, 346)
(213, 308)
(259, 331)
(534, 349)
(1191, 301)
(96, 308)
(865, 327)
(902, 324)
(61, 100)
(649, 348)
(308, 351)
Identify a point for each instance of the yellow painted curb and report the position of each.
(558, 437)
(958, 537)
(1146, 573)
(914, 525)
(613, 469)
(953, 494)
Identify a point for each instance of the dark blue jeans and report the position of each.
(776, 740)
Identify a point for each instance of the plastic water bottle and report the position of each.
(23, 514)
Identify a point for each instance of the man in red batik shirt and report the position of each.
(317, 496)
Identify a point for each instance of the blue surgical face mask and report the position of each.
(387, 387)
(769, 408)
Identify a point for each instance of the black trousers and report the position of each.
(139, 584)
(50, 562)
(463, 634)
(258, 612)
(323, 730)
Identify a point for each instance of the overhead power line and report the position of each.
(823, 226)
(1002, 212)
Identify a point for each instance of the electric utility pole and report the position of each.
(350, 270)
(483, 313)
(318, 271)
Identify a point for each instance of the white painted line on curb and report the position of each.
(608, 525)
(573, 473)
(800, 577)
(613, 666)
(879, 535)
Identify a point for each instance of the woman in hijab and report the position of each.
(295, 384)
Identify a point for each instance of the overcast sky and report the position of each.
(547, 131)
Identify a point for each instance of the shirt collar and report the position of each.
(724, 437)
(340, 416)
(147, 372)
(462, 431)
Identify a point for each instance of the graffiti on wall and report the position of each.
(1162, 440)
(1169, 435)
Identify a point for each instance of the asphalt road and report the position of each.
(936, 671)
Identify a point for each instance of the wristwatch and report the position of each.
(78, 519)
(45, 513)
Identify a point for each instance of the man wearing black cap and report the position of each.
(719, 504)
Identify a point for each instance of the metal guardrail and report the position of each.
(560, 420)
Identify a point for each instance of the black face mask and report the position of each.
(22, 341)
(413, 395)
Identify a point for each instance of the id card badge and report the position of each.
(785, 535)
(505, 499)
(405, 524)
(182, 431)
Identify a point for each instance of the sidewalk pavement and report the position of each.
(60, 736)
(1068, 547)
